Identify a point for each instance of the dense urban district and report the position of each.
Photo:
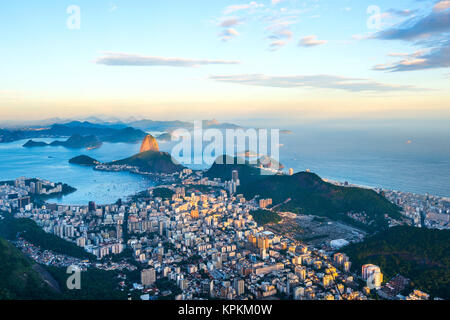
(211, 235)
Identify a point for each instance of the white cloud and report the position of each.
(311, 81)
(127, 59)
(229, 22)
(228, 34)
(239, 7)
(442, 5)
(311, 41)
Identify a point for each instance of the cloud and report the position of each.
(430, 31)
(402, 13)
(282, 34)
(280, 38)
(230, 22)
(311, 41)
(277, 44)
(425, 59)
(311, 81)
(126, 59)
(442, 5)
(228, 34)
(436, 22)
(239, 7)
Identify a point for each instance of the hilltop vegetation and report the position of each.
(164, 193)
(263, 217)
(84, 160)
(422, 255)
(151, 161)
(224, 166)
(18, 279)
(95, 285)
(309, 194)
(11, 228)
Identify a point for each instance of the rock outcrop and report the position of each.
(149, 144)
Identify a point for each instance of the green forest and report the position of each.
(422, 255)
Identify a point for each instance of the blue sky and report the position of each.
(227, 59)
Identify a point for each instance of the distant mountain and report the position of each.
(74, 142)
(104, 132)
(77, 142)
(307, 193)
(84, 161)
(165, 137)
(420, 254)
(152, 161)
(9, 136)
(34, 144)
(113, 130)
(170, 126)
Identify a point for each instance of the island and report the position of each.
(74, 142)
(148, 160)
(84, 160)
(33, 144)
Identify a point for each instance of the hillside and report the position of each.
(422, 255)
(84, 160)
(309, 194)
(19, 281)
(22, 279)
(263, 217)
(151, 161)
(10, 228)
(78, 141)
(225, 165)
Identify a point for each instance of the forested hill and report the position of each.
(422, 255)
(309, 194)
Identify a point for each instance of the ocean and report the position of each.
(403, 160)
(52, 163)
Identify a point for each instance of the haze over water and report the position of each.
(408, 160)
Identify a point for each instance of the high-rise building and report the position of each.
(235, 176)
(38, 187)
(373, 274)
(264, 203)
(300, 272)
(148, 277)
(92, 207)
(239, 286)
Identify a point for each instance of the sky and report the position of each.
(287, 60)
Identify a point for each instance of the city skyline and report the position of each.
(228, 59)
